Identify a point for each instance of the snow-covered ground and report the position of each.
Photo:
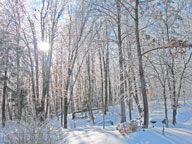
(181, 133)
(81, 131)
(111, 136)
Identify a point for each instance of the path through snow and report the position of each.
(111, 136)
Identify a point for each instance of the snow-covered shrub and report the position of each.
(32, 132)
(129, 127)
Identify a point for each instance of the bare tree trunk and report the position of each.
(66, 98)
(36, 82)
(165, 105)
(106, 82)
(101, 71)
(19, 99)
(174, 115)
(130, 113)
(4, 99)
(141, 71)
(55, 97)
(110, 90)
(132, 80)
(62, 112)
(106, 67)
(61, 96)
(9, 110)
(89, 90)
(127, 93)
(129, 80)
(47, 104)
(130, 95)
(123, 114)
(65, 111)
(72, 99)
(32, 73)
(135, 96)
(175, 104)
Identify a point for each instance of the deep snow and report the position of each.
(81, 131)
(181, 133)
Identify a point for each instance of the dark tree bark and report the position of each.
(66, 98)
(106, 80)
(165, 105)
(141, 71)
(4, 98)
(19, 98)
(9, 111)
(47, 104)
(106, 67)
(123, 114)
(65, 111)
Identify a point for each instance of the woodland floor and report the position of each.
(81, 131)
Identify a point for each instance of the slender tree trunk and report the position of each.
(174, 116)
(47, 104)
(101, 71)
(130, 95)
(4, 99)
(110, 91)
(62, 110)
(19, 99)
(65, 111)
(130, 113)
(55, 97)
(9, 110)
(66, 98)
(165, 105)
(36, 58)
(89, 90)
(133, 79)
(61, 99)
(72, 99)
(174, 96)
(141, 71)
(106, 81)
(123, 114)
(129, 80)
(44, 83)
(32, 74)
(61, 85)
(135, 96)
(175, 105)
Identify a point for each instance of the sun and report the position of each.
(44, 46)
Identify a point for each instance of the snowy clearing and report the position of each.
(86, 133)
(181, 133)
(111, 136)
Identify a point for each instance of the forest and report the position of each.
(72, 60)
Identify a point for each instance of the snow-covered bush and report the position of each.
(129, 127)
(32, 132)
